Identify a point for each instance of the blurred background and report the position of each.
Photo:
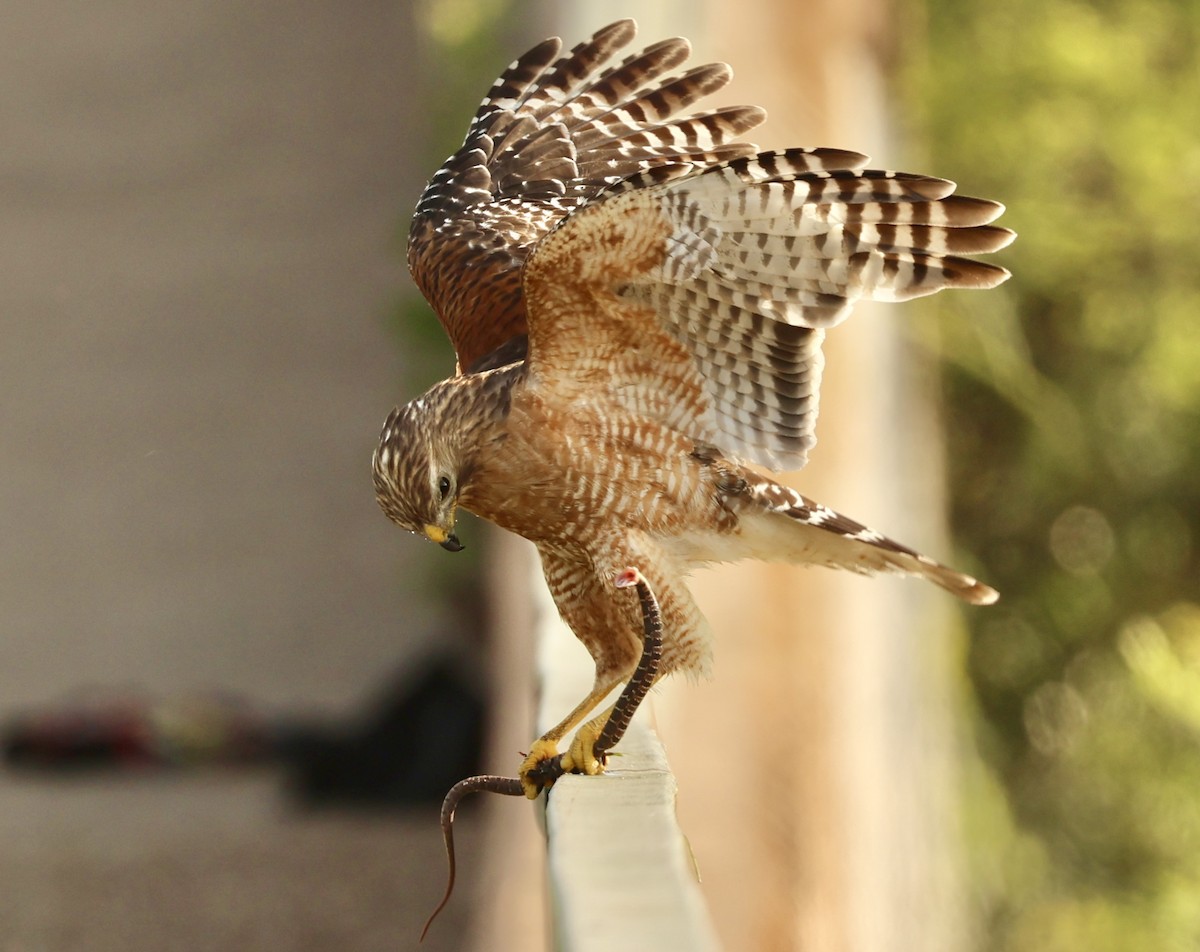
(1072, 419)
(206, 317)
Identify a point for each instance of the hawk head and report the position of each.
(418, 472)
(430, 449)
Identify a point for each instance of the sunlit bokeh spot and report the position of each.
(1081, 540)
(1055, 715)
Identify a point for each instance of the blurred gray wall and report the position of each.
(200, 205)
(199, 250)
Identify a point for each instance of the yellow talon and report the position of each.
(580, 756)
(542, 749)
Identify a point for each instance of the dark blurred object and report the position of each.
(422, 736)
(412, 748)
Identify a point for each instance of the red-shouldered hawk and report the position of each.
(637, 304)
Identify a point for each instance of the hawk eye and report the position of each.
(444, 486)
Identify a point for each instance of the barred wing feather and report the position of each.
(551, 134)
(725, 278)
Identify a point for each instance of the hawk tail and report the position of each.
(795, 529)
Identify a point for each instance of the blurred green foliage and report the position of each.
(1073, 422)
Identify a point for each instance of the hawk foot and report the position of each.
(583, 756)
(544, 764)
(541, 767)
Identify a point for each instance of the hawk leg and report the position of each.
(545, 771)
(588, 753)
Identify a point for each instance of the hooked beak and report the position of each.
(447, 540)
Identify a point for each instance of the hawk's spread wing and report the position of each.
(552, 133)
(699, 295)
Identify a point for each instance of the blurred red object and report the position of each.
(134, 732)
